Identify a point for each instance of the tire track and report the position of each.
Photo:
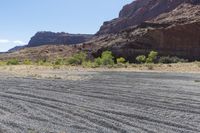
(109, 102)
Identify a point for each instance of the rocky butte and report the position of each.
(51, 38)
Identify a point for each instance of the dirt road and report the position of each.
(124, 102)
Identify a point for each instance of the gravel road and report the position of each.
(108, 102)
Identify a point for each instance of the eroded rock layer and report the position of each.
(139, 11)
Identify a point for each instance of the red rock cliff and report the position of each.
(139, 11)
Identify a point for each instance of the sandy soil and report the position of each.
(72, 73)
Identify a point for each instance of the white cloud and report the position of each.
(6, 44)
(4, 41)
(18, 42)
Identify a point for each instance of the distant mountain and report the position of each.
(139, 11)
(16, 48)
(51, 38)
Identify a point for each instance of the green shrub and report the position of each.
(77, 59)
(41, 62)
(59, 62)
(168, 60)
(141, 59)
(152, 57)
(149, 60)
(98, 61)
(2, 63)
(90, 64)
(107, 58)
(27, 62)
(12, 62)
(121, 60)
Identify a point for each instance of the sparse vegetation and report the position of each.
(121, 60)
(168, 60)
(41, 62)
(77, 59)
(59, 61)
(27, 62)
(141, 59)
(90, 64)
(149, 66)
(12, 62)
(98, 61)
(197, 63)
(152, 57)
(107, 58)
(2, 63)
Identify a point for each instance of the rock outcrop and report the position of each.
(139, 11)
(176, 33)
(51, 38)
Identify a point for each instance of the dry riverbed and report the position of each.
(39, 99)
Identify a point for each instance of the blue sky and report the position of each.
(21, 19)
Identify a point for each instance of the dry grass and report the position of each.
(72, 72)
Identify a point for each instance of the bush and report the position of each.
(41, 62)
(98, 61)
(141, 59)
(90, 64)
(152, 57)
(168, 60)
(77, 59)
(107, 58)
(27, 62)
(12, 62)
(59, 62)
(121, 60)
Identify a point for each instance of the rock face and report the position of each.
(139, 11)
(176, 33)
(51, 38)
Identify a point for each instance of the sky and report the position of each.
(21, 19)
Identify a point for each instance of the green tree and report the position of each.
(98, 61)
(141, 58)
(77, 59)
(107, 58)
(152, 57)
(121, 60)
